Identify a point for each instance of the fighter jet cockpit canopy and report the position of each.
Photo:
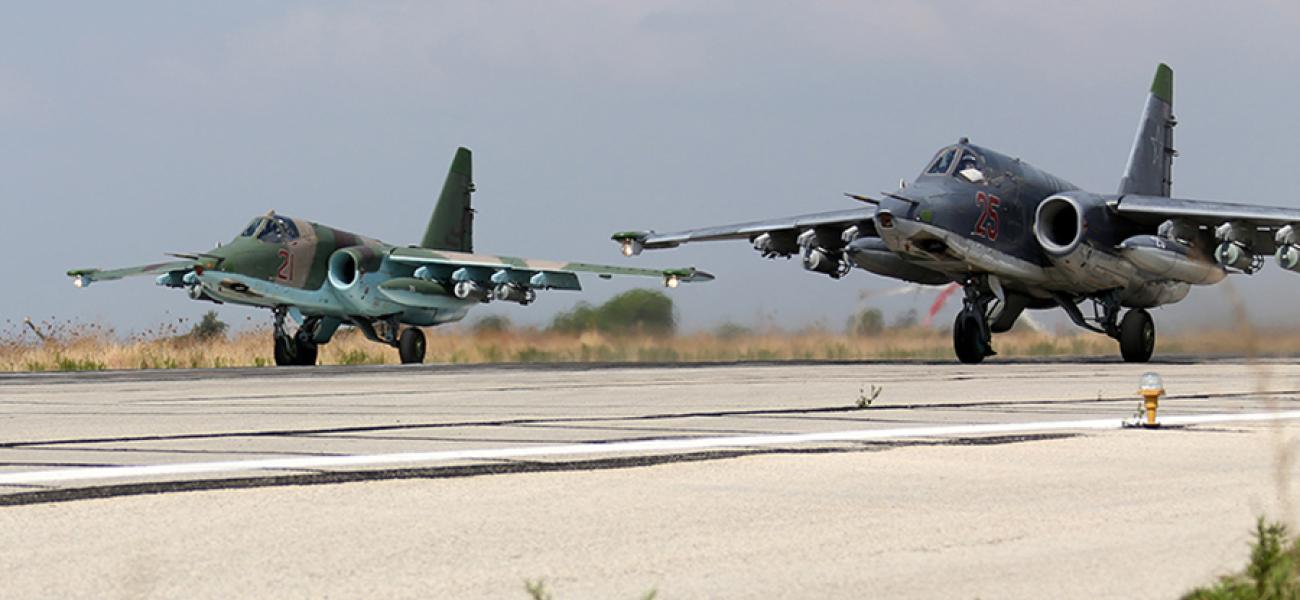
(943, 162)
(959, 161)
(271, 228)
(970, 166)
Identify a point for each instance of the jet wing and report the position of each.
(750, 230)
(84, 277)
(1261, 229)
(546, 274)
(1155, 209)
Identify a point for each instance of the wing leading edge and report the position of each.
(1157, 208)
(546, 274)
(84, 277)
(634, 241)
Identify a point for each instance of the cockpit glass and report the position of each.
(968, 160)
(941, 164)
(287, 226)
(252, 227)
(271, 233)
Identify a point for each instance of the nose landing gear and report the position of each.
(972, 337)
(298, 349)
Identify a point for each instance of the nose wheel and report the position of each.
(297, 349)
(972, 338)
(966, 339)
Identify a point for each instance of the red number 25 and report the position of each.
(987, 224)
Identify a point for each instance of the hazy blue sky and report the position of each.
(132, 128)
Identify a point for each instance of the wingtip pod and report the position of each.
(81, 277)
(1162, 86)
(676, 277)
(631, 243)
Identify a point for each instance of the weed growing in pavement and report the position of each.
(868, 395)
(1273, 571)
(537, 590)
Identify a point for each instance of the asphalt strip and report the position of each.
(605, 448)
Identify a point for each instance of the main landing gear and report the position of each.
(410, 346)
(410, 342)
(1136, 332)
(987, 309)
(1137, 336)
(298, 349)
(302, 347)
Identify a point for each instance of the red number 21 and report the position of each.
(285, 272)
(987, 224)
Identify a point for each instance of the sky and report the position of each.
(136, 128)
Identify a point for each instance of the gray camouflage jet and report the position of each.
(1016, 237)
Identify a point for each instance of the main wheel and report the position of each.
(410, 346)
(304, 350)
(284, 351)
(1137, 336)
(966, 339)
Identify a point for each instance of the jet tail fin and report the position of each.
(1150, 163)
(451, 227)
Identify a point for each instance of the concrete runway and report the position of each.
(1002, 480)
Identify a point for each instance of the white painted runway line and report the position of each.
(707, 443)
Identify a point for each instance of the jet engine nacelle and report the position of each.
(1061, 222)
(346, 268)
(1063, 225)
(348, 265)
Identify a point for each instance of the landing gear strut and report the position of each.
(972, 338)
(410, 343)
(1136, 332)
(298, 349)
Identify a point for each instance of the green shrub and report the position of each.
(493, 324)
(634, 311)
(358, 356)
(209, 327)
(868, 321)
(64, 363)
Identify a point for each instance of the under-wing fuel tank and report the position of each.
(1170, 259)
(872, 254)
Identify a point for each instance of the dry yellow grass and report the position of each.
(165, 347)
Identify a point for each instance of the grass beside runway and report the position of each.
(71, 346)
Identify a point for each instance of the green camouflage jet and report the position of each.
(325, 278)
